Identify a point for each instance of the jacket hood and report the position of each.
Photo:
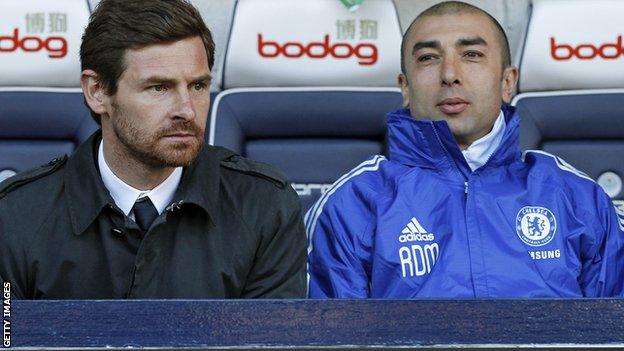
(430, 144)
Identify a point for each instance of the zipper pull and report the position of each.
(466, 187)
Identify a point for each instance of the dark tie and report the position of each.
(144, 213)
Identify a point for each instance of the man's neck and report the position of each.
(463, 145)
(131, 171)
(465, 141)
(479, 151)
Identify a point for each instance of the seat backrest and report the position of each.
(312, 43)
(42, 112)
(572, 87)
(333, 73)
(313, 135)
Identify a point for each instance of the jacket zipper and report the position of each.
(435, 131)
(466, 186)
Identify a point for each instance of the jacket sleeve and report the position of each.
(603, 267)
(279, 267)
(13, 264)
(338, 227)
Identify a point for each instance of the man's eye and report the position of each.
(473, 54)
(158, 88)
(200, 86)
(427, 57)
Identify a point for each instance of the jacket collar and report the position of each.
(88, 197)
(200, 183)
(430, 144)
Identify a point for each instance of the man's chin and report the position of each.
(437, 115)
(453, 116)
(179, 161)
(177, 155)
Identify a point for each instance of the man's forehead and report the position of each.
(187, 56)
(452, 27)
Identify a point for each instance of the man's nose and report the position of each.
(450, 71)
(184, 107)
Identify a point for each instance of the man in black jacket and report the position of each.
(142, 209)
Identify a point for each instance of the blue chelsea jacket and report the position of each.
(421, 224)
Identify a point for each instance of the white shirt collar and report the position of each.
(125, 196)
(479, 152)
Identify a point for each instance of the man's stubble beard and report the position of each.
(146, 149)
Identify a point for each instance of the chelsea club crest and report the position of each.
(535, 225)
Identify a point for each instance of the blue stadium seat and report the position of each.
(313, 135)
(585, 128)
(307, 86)
(572, 88)
(38, 125)
(42, 112)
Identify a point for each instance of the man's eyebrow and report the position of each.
(156, 79)
(162, 79)
(471, 41)
(433, 44)
(204, 78)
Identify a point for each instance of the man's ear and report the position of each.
(402, 80)
(93, 91)
(510, 79)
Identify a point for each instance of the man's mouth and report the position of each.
(181, 136)
(452, 106)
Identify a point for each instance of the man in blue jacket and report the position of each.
(457, 210)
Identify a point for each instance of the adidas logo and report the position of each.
(413, 231)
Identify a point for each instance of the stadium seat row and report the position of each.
(305, 86)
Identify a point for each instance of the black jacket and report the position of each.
(233, 230)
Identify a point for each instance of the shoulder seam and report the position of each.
(255, 168)
(561, 164)
(31, 175)
(314, 213)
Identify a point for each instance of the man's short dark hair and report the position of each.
(118, 25)
(458, 7)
